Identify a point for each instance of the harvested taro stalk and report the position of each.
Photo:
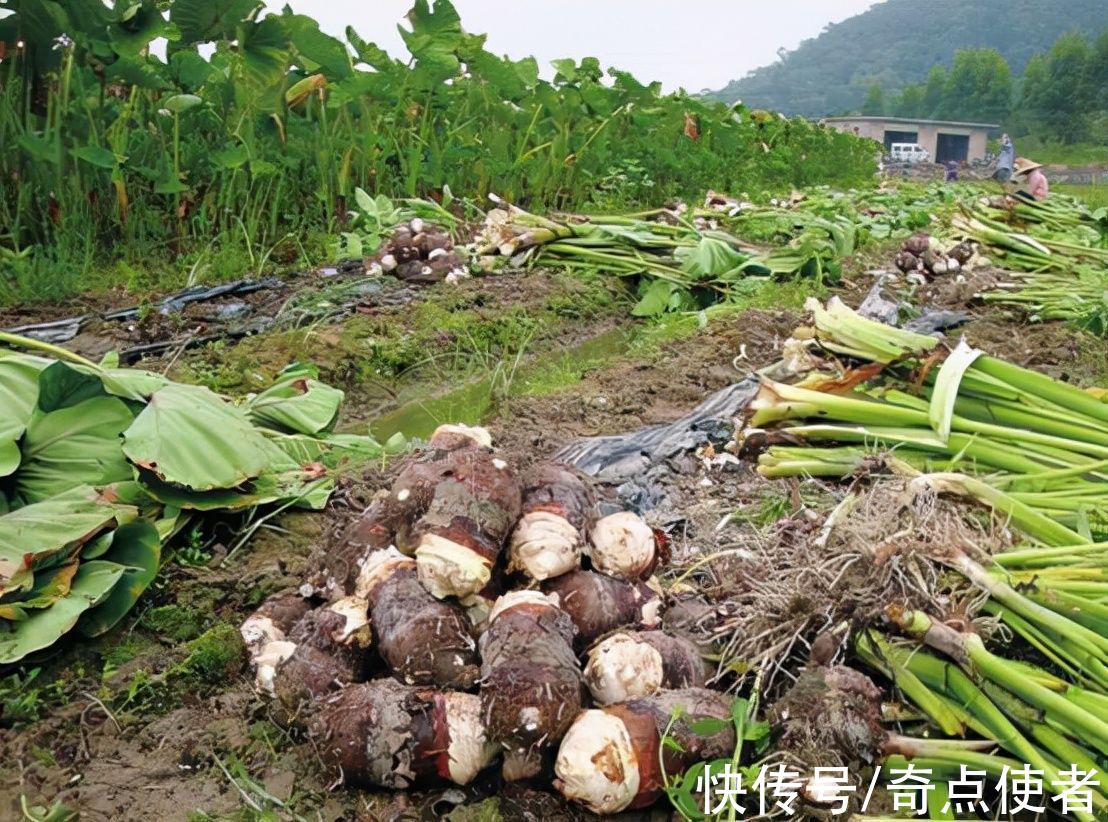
(391, 516)
(609, 760)
(530, 678)
(631, 664)
(424, 641)
(387, 735)
(598, 603)
(471, 513)
(558, 510)
(623, 545)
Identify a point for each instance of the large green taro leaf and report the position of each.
(188, 436)
(41, 629)
(137, 547)
(19, 377)
(9, 456)
(77, 445)
(36, 535)
(298, 404)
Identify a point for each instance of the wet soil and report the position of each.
(99, 737)
(116, 756)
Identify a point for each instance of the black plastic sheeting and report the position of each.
(59, 331)
(876, 306)
(197, 294)
(638, 462)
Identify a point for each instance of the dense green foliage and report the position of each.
(897, 42)
(113, 153)
(100, 467)
(1063, 94)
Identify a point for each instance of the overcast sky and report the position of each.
(682, 43)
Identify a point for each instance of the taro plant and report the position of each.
(114, 153)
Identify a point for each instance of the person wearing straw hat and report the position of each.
(1030, 179)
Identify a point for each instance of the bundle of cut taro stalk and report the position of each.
(876, 399)
(474, 614)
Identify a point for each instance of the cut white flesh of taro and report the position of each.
(469, 750)
(356, 631)
(622, 667)
(258, 631)
(514, 598)
(544, 545)
(622, 545)
(479, 435)
(266, 662)
(596, 763)
(448, 569)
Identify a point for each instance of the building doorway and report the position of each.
(899, 137)
(952, 147)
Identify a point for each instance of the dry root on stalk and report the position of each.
(530, 678)
(825, 582)
(609, 759)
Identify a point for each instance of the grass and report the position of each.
(1094, 195)
(450, 334)
(1049, 152)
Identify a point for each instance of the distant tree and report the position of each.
(979, 86)
(1065, 100)
(1096, 73)
(910, 103)
(933, 91)
(875, 101)
(1036, 78)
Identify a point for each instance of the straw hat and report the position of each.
(1023, 165)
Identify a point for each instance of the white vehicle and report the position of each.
(908, 153)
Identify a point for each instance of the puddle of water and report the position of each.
(473, 402)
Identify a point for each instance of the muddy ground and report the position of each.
(159, 720)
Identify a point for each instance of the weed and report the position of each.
(213, 657)
(173, 622)
(686, 791)
(23, 698)
(57, 812)
(194, 551)
(146, 693)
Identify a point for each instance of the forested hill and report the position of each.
(896, 42)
